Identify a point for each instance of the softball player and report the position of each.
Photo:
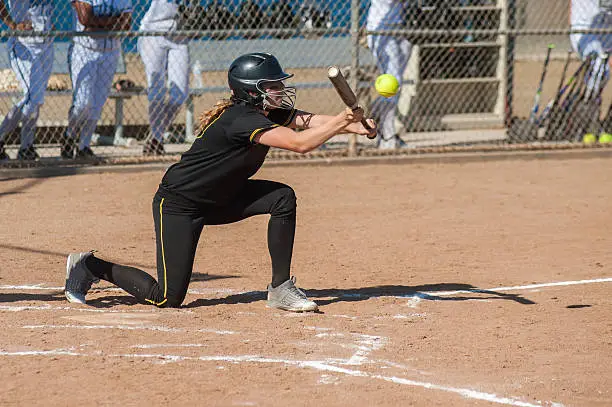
(392, 55)
(93, 62)
(211, 185)
(31, 59)
(166, 62)
(585, 14)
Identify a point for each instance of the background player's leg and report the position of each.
(83, 67)
(42, 62)
(178, 84)
(106, 67)
(392, 56)
(20, 66)
(266, 197)
(154, 55)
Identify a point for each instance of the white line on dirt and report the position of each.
(36, 287)
(312, 364)
(46, 307)
(120, 327)
(42, 287)
(127, 327)
(170, 345)
(520, 287)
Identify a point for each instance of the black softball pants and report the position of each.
(177, 234)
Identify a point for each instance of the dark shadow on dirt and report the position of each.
(19, 189)
(112, 300)
(428, 292)
(46, 297)
(578, 306)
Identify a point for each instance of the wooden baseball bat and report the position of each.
(346, 93)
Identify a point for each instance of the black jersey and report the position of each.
(223, 156)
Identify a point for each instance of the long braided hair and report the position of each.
(211, 114)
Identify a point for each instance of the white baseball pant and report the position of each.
(32, 65)
(91, 72)
(167, 68)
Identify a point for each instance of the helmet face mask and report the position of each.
(276, 95)
(257, 79)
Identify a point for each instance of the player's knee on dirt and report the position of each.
(172, 302)
(286, 202)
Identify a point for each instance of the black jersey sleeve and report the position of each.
(250, 124)
(282, 117)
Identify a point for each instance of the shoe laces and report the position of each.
(296, 291)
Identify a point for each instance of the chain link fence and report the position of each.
(129, 79)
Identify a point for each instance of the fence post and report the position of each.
(354, 80)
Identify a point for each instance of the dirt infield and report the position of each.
(439, 284)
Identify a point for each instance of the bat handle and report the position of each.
(368, 127)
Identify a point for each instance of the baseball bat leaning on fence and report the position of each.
(579, 111)
(593, 103)
(560, 89)
(607, 121)
(346, 93)
(536, 99)
(577, 86)
(600, 81)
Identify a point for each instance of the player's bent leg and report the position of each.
(177, 236)
(134, 281)
(78, 277)
(268, 197)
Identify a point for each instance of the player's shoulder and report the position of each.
(241, 118)
(242, 112)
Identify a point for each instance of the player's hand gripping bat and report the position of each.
(345, 92)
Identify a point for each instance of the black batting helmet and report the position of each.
(248, 75)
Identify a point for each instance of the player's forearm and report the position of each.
(305, 120)
(315, 136)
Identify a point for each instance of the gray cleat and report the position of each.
(78, 277)
(290, 298)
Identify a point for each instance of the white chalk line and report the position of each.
(120, 327)
(206, 291)
(128, 328)
(312, 364)
(170, 345)
(47, 307)
(36, 287)
(520, 287)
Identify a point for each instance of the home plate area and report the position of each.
(374, 346)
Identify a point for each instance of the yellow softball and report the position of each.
(386, 85)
